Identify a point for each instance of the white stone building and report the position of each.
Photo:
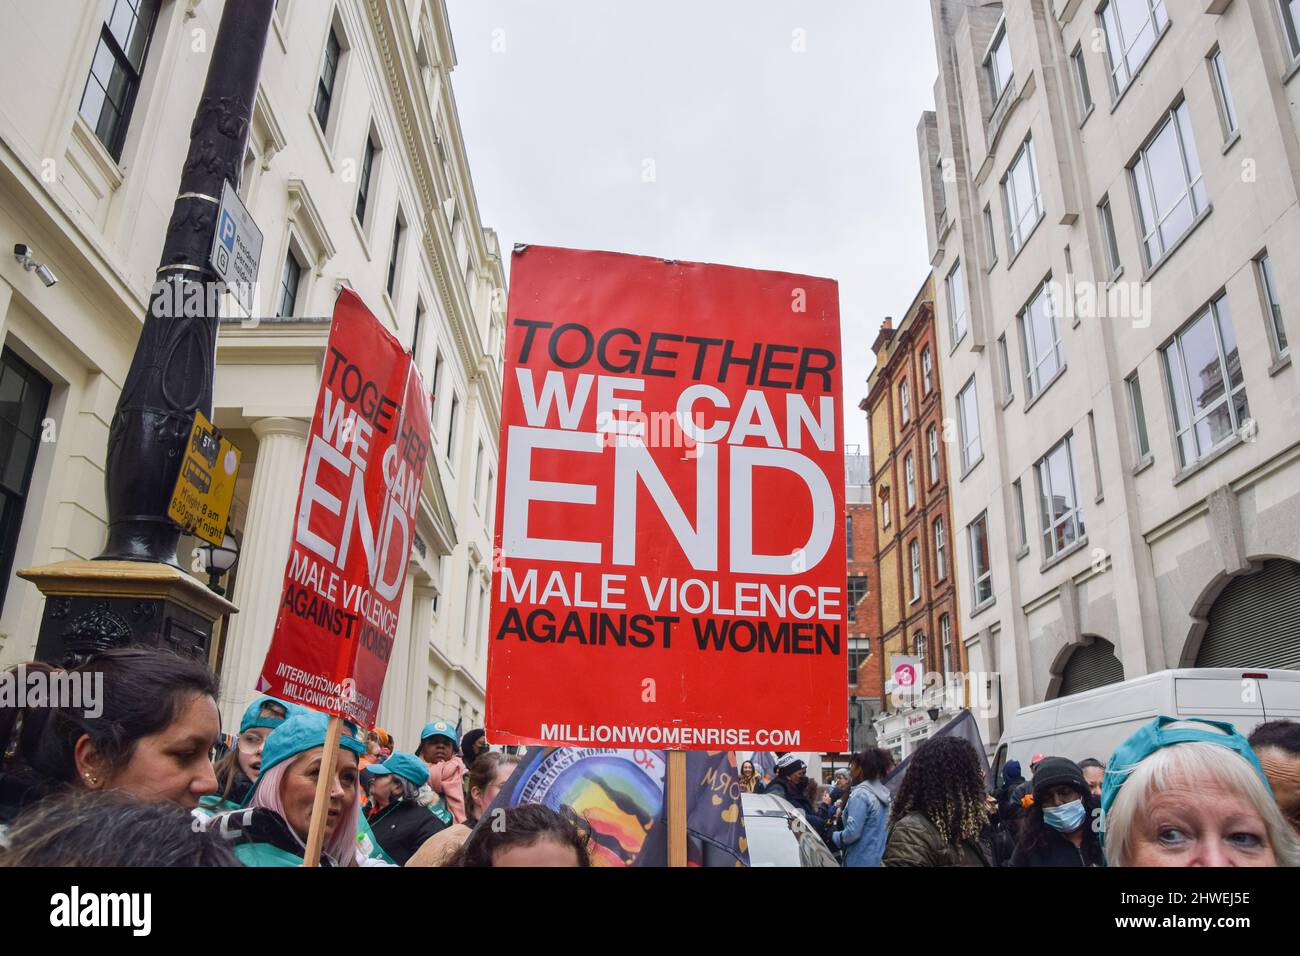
(357, 175)
(1111, 197)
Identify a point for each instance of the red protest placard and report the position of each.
(355, 523)
(670, 531)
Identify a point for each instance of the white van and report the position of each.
(1095, 722)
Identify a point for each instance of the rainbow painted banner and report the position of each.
(620, 795)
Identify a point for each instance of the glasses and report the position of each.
(251, 742)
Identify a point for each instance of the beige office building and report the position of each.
(1111, 198)
(357, 176)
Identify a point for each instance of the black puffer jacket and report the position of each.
(401, 828)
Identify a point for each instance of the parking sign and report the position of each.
(236, 247)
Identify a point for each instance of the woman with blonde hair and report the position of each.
(1191, 793)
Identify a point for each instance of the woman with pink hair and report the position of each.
(271, 829)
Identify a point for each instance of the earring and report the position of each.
(91, 780)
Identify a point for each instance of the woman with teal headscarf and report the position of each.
(237, 770)
(1191, 793)
(271, 829)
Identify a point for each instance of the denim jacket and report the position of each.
(865, 815)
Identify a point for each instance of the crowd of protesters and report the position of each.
(135, 785)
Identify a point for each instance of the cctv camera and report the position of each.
(23, 253)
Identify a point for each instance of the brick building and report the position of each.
(916, 602)
(866, 675)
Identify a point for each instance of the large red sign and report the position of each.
(355, 523)
(670, 516)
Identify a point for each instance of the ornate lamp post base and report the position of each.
(91, 606)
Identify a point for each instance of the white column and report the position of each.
(391, 705)
(415, 669)
(281, 450)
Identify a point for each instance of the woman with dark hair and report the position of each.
(863, 836)
(1057, 828)
(529, 835)
(146, 725)
(83, 828)
(749, 781)
(940, 809)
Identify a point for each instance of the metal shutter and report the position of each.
(1255, 622)
(1091, 665)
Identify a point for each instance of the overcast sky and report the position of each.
(763, 155)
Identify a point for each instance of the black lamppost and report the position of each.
(172, 371)
(135, 592)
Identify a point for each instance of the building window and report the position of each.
(1042, 342)
(905, 400)
(1022, 534)
(391, 282)
(968, 422)
(1139, 417)
(1004, 359)
(927, 371)
(1223, 93)
(940, 550)
(1081, 81)
(1059, 510)
(437, 375)
(478, 478)
(24, 399)
(1021, 196)
(918, 647)
(1277, 331)
(290, 280)
(1111, 246)
(415, 332)
(467, 624)
(932, 441)
(1170, 188)
(1132, 28)
(856, 592)
(998, 62)
(914, 555)
(451, 428)
(116, 69)
(956, 304)
(981, 569)
(325, 82)
(945, 642)
(859, 651)
(909, 480)
(1208, 390)
(848, 536)
(941, 208)
(990, 236)
(1290, 12)
(884, 507)
(363, 185)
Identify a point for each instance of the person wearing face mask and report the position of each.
(1191, 793)
(789, 784)
(1056, 830)
(273, 826)
(237, 770)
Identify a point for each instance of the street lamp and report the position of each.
(218, 559)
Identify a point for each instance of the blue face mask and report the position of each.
(1066, 818)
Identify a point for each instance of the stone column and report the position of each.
(391, 699)
(415, 669)
(281, 450)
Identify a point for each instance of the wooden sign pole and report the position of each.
(329, 760)
(675, 797)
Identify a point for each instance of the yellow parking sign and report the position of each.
(206, 485)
